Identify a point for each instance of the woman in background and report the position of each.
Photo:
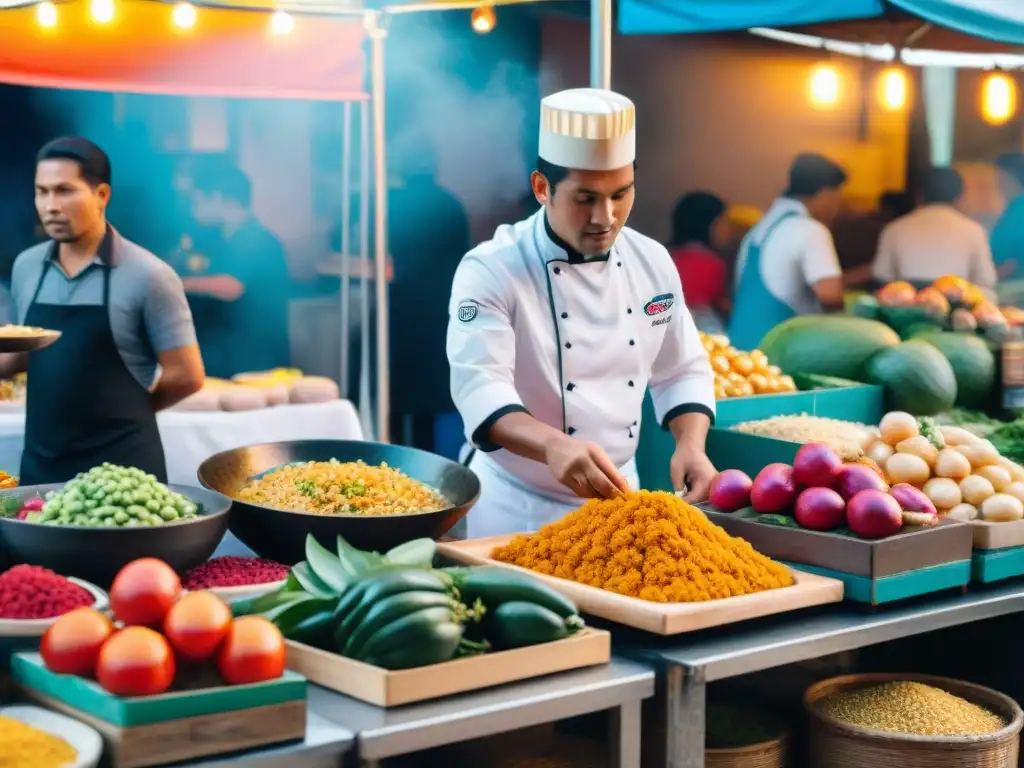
(700, 229)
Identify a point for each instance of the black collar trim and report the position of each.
(105, 252)
(572, 255)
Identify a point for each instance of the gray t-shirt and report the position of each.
(149, 313)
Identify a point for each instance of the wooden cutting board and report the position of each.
(663, 618)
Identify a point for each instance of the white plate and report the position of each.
(84, 739)
(228, 594)
(36, 627)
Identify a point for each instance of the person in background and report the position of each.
(240, 284)
(787, 264)
(1007, 238)
(127, 347)
(700, 228)
(856, 237)
(935, 240)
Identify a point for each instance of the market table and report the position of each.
(688, 664)
(618, 687)
(190, 437)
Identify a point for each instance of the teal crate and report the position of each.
(988, 565)
(28, 671)
(655, 445)
(900, 586)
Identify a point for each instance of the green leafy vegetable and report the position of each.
(417, 553)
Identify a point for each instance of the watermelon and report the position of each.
(916, 376)
(973, 364)
(917, 329)
(866, 306)
(830, 345)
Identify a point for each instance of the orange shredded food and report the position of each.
(650, 545)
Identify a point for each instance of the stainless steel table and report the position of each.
(618, 687)
(687, 664)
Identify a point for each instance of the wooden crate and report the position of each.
(179, 725)
(998, 535)
(664, 618)
(386, 688)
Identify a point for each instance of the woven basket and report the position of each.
(766, 754)
(834, 744)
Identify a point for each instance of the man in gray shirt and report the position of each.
(128, 347)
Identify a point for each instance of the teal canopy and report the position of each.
(999, 20)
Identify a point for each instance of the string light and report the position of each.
(46, 14)
(892, 89)
(483, 19)
(824, 85)
(102, 11)
(998, 98)
(281, 23)
(184, 15)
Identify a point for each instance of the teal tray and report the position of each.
(655, 446)
(888, 589)
(988, 565)
(28, 671)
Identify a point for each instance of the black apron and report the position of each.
(84, 407)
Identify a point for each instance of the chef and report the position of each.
(560, 323)
(787, 263)
(127, 349)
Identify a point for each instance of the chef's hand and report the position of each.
(584, 468)
(692, 472)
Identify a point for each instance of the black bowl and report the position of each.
(97, 554)
(280, 534)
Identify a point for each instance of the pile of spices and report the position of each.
(908, 707)
(650, 545)
(31, 592)
(232, 571)
(22, 746)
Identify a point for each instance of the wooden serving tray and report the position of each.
(664, 618)
(998, 535)
(175, 726)
(386, 688)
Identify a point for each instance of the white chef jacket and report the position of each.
(533, 327)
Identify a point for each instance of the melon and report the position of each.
(916, 376)
(830, 345)
(973, 364)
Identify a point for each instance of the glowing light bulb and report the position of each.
(483, 19)
(184, 15)
(281, 23)
(824, 85)
(892, 89)
(102, 11)
(998, 98)
(46, 14)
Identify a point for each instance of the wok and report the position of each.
(280, 534)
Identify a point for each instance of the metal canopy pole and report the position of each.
(378, 38)
(344, 293)
(601, 44)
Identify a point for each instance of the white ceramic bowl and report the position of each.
(229, 594)
(36, 627)
(84, 739)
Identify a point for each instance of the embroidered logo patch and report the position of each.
(659, 304)
(468, 310)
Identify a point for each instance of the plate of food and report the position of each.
(33, 598)
(25, 338)
(52, 738)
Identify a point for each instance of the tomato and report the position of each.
(252, 651)
(196, 625)
(71, 645)
(137, 661)
(143, 591)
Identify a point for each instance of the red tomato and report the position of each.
(137, 661)
(196, 625)
(252, 651)
(71, 645)
(143, 591)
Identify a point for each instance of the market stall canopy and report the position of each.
(1000, 21)
(224, 53)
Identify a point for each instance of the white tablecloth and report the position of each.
(190, 437)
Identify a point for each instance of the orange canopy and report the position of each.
(226, 53)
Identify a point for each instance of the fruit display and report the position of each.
(962, 475)
(262, 389)
(28, 593)
(156, 632)
(398, 612)
(111, 496)
(741, 374)
(820, 492)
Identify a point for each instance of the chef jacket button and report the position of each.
(632, 342)
(634, 423)
(631, 383)
(629, 311)
(565, 315)
(568, 345)
(620, 263)
(557, 271)
(570, 386)
(570, 430)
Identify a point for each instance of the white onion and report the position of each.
(898, 426)
(963, 512)
(943, 492)
(880, 451)
(958, 436)
(1016, 470)
(999, 477)
(919, 446)
(1002, 508)
(975, 489)
(952, 463)
(1016, 490)
(980, 454)
(907, 468)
